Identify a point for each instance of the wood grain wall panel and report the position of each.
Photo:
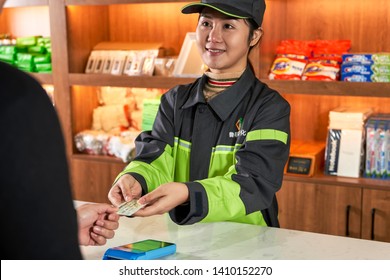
(310, 113)
(361, 21)
(151, 23)
(4, 22)
(274, 27)
(87, 26)
(26, 21)
(94, 179)
(84, 100)
(90, 25)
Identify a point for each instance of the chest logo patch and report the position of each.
(239, 132)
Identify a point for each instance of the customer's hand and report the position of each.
(96, 223)
(125, 189)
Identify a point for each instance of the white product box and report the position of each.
(351, 153)
(118, 62)
(344, 152)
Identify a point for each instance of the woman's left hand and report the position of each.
(163, 199)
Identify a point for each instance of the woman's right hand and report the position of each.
(125, 189)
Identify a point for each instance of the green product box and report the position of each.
(25, 64)
(12, 49)
(25, 67)
(381, 78)
(43, 41)
(43, 68)
(37, 49)
(24, 58)
(40, 59)
(149, 112)
(381, 69)
(10, 58)
(381, 58)
(27, 41)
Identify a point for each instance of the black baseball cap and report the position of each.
(245, 9)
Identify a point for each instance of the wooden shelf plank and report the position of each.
(126, 81)
(43, 78)
(330, 88)
(341, 181)
(286, 87)
(106, 159)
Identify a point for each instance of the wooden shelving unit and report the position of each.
(331, 88)
(78, 25)
(286, 87)
(120, 81)
(43, 78)
(338, 180)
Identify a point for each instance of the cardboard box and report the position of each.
(344, 152)
(189, 63)
(344, 146)
(306, 158)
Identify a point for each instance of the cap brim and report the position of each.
(193, 8)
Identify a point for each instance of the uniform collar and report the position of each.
(225, 102)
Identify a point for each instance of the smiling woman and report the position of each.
(218, 146)
(220, 41)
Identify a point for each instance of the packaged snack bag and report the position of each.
(291, 59)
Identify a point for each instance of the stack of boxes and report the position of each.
(30, 54)
(123, 58)
(149, 112)
(344, 153)
(365, 67)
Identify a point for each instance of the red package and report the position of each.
(296, 48)
(290, 60)
(331, 50)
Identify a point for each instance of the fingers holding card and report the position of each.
(129, 208)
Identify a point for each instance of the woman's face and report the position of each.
(222, 41)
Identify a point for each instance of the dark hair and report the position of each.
(252, 27)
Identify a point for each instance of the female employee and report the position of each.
(219, 145)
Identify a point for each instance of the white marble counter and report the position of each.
(224, 241)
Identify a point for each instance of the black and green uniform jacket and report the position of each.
(230, 152)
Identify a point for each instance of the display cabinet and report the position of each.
(375, 214)
(76, 26)
(345, 207)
